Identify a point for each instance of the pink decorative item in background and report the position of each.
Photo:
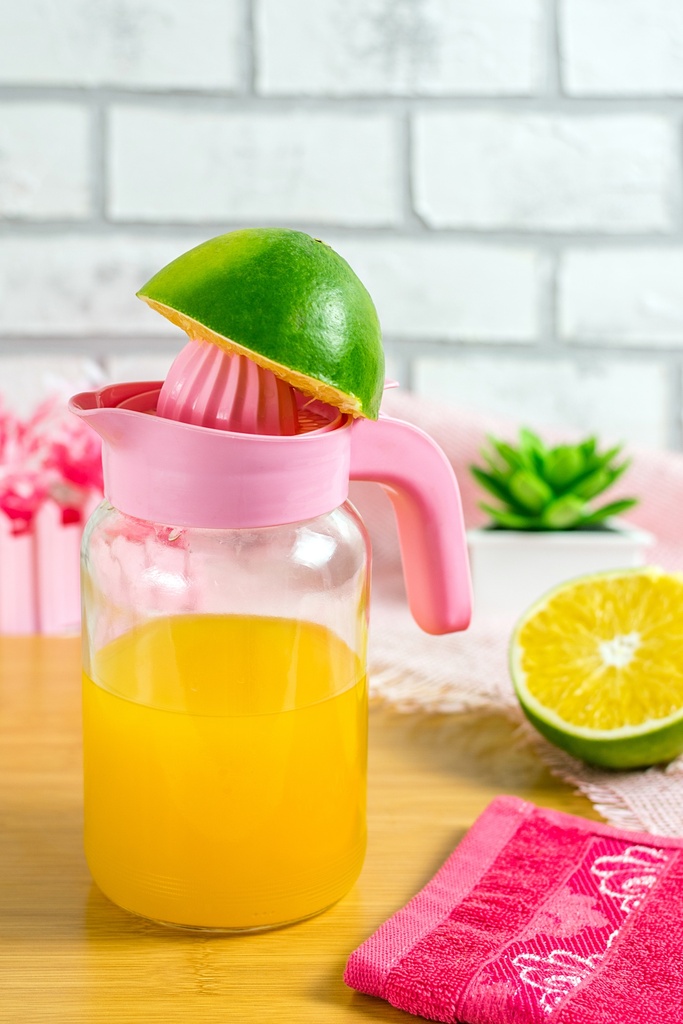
(50, 481)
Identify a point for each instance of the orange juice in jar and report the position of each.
(225, 762)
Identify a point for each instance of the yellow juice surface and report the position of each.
(225, 763)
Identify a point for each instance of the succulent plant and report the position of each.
(541, 488)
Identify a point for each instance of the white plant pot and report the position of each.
(511, 569)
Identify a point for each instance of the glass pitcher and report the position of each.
(225, 617)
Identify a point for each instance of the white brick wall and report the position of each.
(141, 367)
(75, 286)
(622, 297)
(622, 47)
(44, 161)
(506, 178)
(622, 401)
(380, 47)
(134, 44)
(491, 170)
(441, 290)
(257, 167)
(78, 285)
(25, 382)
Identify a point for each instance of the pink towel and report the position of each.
(538, 916)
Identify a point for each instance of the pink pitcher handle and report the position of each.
(423, 490)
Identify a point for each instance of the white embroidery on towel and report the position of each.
(626, 878)
(630, 875)
(556, 974)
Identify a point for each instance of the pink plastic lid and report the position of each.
(177, 473)
(181, 474)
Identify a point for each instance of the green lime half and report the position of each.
(287, 301)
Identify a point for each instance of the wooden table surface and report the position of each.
(68, 954)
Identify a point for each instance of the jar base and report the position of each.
(198, 929)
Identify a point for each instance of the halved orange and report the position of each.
(597, 665)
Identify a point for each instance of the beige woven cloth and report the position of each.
(468, 672)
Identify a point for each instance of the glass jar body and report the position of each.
(225, 717)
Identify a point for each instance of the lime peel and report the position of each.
(291, 304)
(319, 389)
(547, 714)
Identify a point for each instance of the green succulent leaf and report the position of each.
(532, 449)
(494, 464)
(601, 460)
(542, 488)
(593, 484)
(509, 454)
(617, 471)
(588, 447)
(509, 520)
(564, 513)
(615, 508)
(494, 483)
(530, 491)
(602, 464)
(531, 441)
(563, 466)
